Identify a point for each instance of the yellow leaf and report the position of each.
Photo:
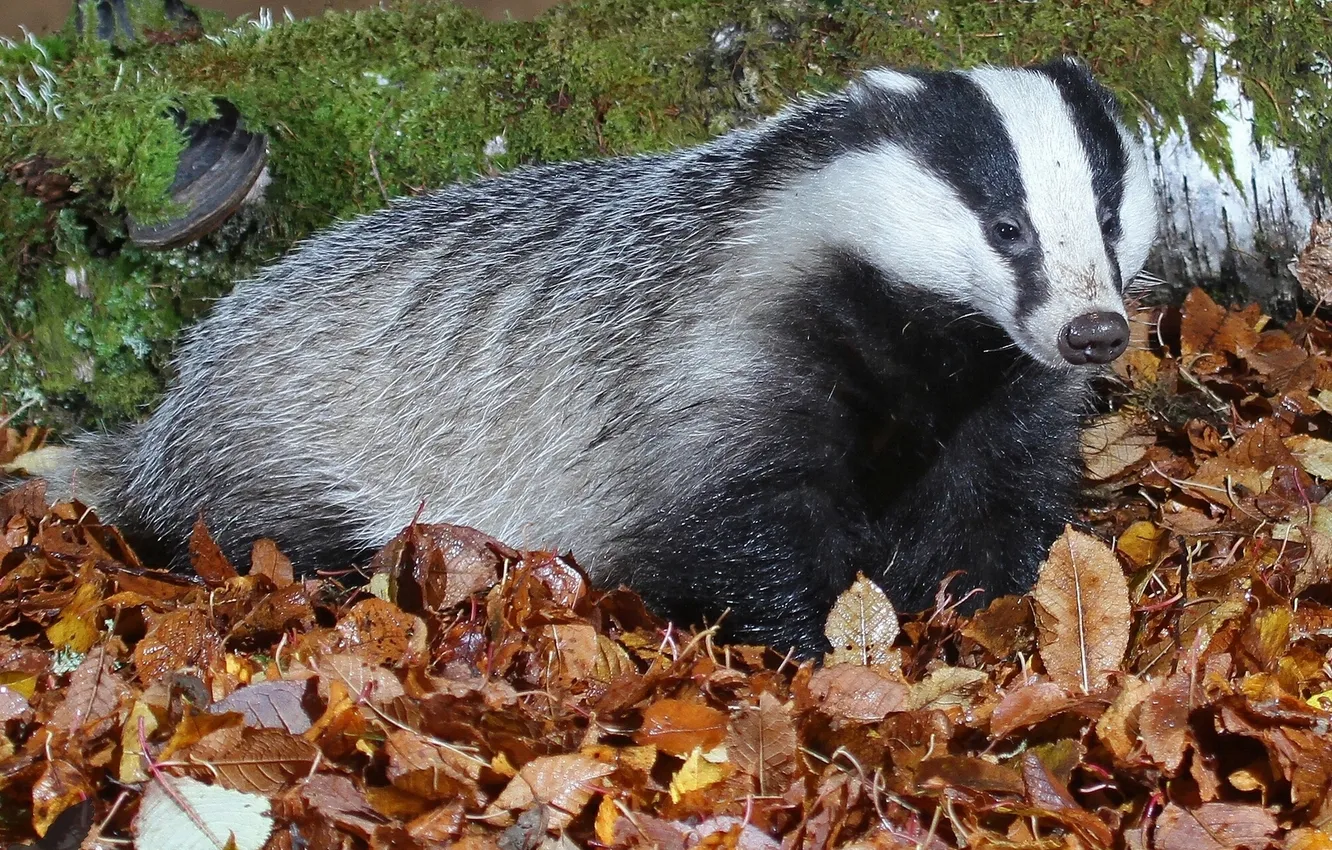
(1321, 700)
(133, 762)
(607, 814)
(77, 630)
(1142, 542)
(695, 774)
(23, 684)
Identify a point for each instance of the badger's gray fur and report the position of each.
(730, 376)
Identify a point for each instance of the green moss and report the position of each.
(362, 107)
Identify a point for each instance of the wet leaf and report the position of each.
(681, 726)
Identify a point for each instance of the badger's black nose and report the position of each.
(1094, 338)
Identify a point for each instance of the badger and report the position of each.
(854, 338)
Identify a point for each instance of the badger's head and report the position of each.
(1018, 193)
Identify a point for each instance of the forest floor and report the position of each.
(1168, 683)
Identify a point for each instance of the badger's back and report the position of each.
(511, 353)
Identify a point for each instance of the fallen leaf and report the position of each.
(862, 626)
(696, 774)
(185, 814)
(1214, 826)
(857, 693)
(1113, 443)
(1082, 612)
(207, 558)
(561, 783)
(762, 743)
(680, 726)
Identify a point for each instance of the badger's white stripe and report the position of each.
(869, 203)
(889, 80)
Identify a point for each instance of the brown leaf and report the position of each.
(1082, 612)
(206, 556)
(862, 626)
(857, 693)
(762, 743)
(95, 692)
(364, 681)
(1030, 704)
(677, 726)
(1207, 330)
(1215, 826)
(1164, 722)
(435, 567)
(969, 772)
(1118, 726)
(341, 802)
(1003, 628)
(257, 761)
(946, 687)
(431, 771)
(174, 641)
(1113, 443)
(267, 560)
(382, 633)
(563, 784)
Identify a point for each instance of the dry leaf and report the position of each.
(862, 626)
(562, 783)
(762, 743)
(1215, 826)
(1082, 612)
(696, 774)
(1113, 443)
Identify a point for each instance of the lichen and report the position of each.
(361, 107)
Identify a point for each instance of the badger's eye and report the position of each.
(1007, 231)
(1109, 225)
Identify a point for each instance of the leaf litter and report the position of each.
(1167, 684)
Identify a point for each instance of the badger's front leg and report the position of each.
(778, 545)
(999, 491)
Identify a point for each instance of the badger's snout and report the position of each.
(1094, 338)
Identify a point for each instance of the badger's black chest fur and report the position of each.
(909, 440)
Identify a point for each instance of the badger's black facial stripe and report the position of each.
(976, 156)
(1093, 112)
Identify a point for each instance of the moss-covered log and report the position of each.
(362, 107)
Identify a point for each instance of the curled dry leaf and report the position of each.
(862, 626)
(1082, 612)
